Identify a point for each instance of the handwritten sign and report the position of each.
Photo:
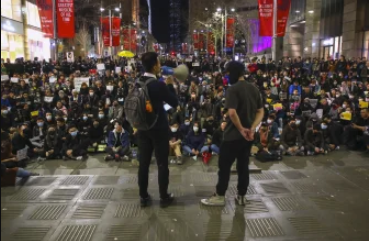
(48, 99)
(79, 81)
(118, 70)
(22, 154)
(277, 107)
(363, 104)
(100, 66)
(14, 80)
(4, 78)
(34, 113)
(346, 116)
(52, 80)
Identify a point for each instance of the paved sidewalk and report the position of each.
(323, 198)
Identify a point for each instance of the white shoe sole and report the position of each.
(205, 202)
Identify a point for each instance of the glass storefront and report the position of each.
(11, 9)
(11, 45)
(331, 47)
(39, 46)
(366, 45)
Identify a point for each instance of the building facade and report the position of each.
(21, 34)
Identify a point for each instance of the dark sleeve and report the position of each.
(168, 96)
(299, 138)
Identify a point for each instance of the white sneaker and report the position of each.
(214, 154)
(214, 201)
(125, 158)
(194, 158)
(173, 161)
(79, 158)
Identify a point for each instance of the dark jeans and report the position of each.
(147, 142)
(124, 151)
(229, 151)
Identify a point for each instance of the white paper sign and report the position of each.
(4, 78)
(195, 64)
(100, 66)
(48, 99)
(79, 81)
(118, 70)
(319, 113)
(52, 80)
(128, 69)
(22, 154)
(26, 81)
(110, 87)
(70, 57)
(14, 80)
(188, 60)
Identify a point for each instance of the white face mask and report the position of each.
(195, 129)
(173, 129)
(344, 106)
(48, 118)
(269, 121)
(323, 126)
(298, 122)
(187, 123)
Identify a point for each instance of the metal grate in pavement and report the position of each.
(222, 230)
(40, 181)
(89, 211)
(263, 227)
(214, 210)
(48, 212)
(30, 234)
(341, 185)
(206, 191)
(264, 176)
(99, 194)
(107, 180)
(307, 225)
(306, 187)
(289, 204)
(293, 174)
(327, 203)
(255, 206)
(204, 179)
(274, 188)
(27, 194)
(12, 212)
(62, 194)
(75, 181)
(128, 210)
(77, 233)
(130, 180)
(129, 232)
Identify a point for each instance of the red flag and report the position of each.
(115, 32)
(266, 18)
(45, 10)
(105, 22)
(129, 39)
(65, 18)
(201, 41)
(230, 35)
(211, 43)
(283, 12)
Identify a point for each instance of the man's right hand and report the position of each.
(69, 152)
(248, 134)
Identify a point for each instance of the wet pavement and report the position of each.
(323, 198)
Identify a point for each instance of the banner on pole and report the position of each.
(115, 32)
(211, 43)
(196, 43)
(266, 18)
(65, 18)
(105, 23)
(230, 35)
(45, 10)
(282, 15)
(129, 39)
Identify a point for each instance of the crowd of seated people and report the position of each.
(312, 107)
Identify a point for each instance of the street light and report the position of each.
(219, 9)
(233, 9)
(102, 9)
(206, 9)
(311, 11)
(117, 9)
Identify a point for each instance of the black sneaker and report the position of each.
(164, 203)
(241, 200)
(146, 201)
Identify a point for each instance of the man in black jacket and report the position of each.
(156, 138)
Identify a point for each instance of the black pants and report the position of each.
(147, 142)
(124, 151)
(229, 151)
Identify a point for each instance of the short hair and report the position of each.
(149, 60)
(236, 70)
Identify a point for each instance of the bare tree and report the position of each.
(83, 39)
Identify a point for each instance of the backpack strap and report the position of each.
(144, 84)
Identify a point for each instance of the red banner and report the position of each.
(196, 43)
(129, 39)
(115, 32)
(266, 18)
(202, 41)
(211, 43)
(65, 18)
(283, 12)
(105, 23)
(230, 35)
(45, 10)
(184, 48)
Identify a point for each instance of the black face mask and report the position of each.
(52, 133)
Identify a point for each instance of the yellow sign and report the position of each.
(34, 113)
(346, 116)
(363, 104)
(269, 100)
(101, 148)
(277, 106)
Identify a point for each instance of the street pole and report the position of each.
(55, 31)
(110, 33)
(275, 19)
(225, 30)
(222, 39)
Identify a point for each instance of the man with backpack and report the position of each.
(144, 109)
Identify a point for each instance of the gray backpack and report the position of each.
(135, 107)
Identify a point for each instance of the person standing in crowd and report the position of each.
(245, 110)
(156, 138)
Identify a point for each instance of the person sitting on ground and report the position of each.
(175, 141)
(118, 146)
(96, 134)
(313, 140)
(355, 134)
(185, 127)
(217, 138)
(52, 145)
(273, 126)
(332, 133)
(195, 142)
(291, 141)
(74, 147)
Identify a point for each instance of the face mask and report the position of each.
(344, 106)
(324, 127)
(49, 118)
(298, 122)
(85, 118)
(187, 123)
(101, 116)
(91, 94)
(269, 121)
(195, 129)
(204, 130)
(337, 96)
(74, 134)
(65, 118)
(173, 129)
(40, 124)
(5, 112)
